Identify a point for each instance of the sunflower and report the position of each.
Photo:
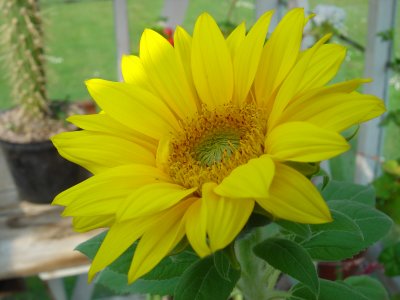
(202, 133)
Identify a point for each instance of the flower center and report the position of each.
(215, 146)
(214, 143)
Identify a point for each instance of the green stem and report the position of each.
(258, 278)
(277, 295)
(273, 279)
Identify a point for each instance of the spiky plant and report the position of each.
(23, 55)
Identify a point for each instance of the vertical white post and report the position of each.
(381, 17)
(174, 11)
(262, 6)
(121, 31)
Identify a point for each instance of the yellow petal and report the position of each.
(163, 151)
(133, 72)
(211, 63)
(159, 240)
(105, 124)
(151, 199)
(340, 87)
(83, 224)
(226, 217)
(293, 197)
(119, 238)
(134, 107)
(336, 111)
(104, 193)
(323, 66)
(235, 38)
(279, 54)
(251, 180)
(183, 48)
(82, 147)
(196, 228)
(304, 142)
(291, 85)
(167, 74)
(247, 57)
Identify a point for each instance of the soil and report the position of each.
(18, 127)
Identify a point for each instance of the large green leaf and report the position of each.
(337, 240)
(118, 283)
(290, 258)
(337, 190)
(353, 288)
(373, 223)
(162, 280)
(202, 281)
(356, 226)
(91, 246)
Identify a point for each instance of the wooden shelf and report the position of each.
(34, 238)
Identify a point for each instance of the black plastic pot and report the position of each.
(39, 172)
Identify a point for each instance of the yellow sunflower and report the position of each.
(201, 132)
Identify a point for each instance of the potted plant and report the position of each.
(38, 171)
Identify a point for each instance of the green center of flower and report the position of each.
(216, 146)
(214, 143)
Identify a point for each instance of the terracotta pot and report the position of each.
(342, 269)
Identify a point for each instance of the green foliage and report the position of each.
(386, 35)
(392, 116)
(337, 190)
(356, 226)
(203, 281)
(290, 258)
(390, 258)
(160, 281)
(354, 288)
(388, 190)
(285, 246)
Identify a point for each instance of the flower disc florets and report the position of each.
(215, 142)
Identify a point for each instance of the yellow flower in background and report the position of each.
(201, 132)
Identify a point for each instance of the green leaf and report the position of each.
(367, 286)
(390, 258)
(118, 283)
(337, 240)
(162, 280)
(337, 190)
(290, 258)
(301, 230)
(202, 281)
(91, 246)
(356, 226)
(354, 288)
(373, 223)
(222, 264)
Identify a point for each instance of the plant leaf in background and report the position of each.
(354, 288)
(162, 280)
(291, 259)
(202, 281)
(339, 190)
(356, 226)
